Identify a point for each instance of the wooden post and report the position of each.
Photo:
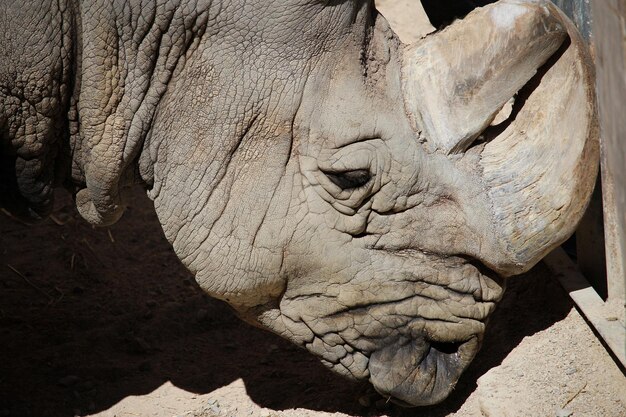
(609, 38)
(601, 237)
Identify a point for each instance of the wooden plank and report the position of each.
(589, 240)
(609, 38)
(610, 327)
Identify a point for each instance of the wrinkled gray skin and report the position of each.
(282, 165)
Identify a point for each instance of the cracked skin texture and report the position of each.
(286, 169)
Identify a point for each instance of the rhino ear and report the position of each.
(107, 167)
(100, 204)
(108, 149)
(112, 124)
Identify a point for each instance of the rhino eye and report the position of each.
(347, 180)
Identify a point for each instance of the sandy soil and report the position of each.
(106, 322)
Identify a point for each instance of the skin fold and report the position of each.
(346, 191)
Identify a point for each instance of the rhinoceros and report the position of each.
(363, 198)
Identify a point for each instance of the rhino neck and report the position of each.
(228, 57)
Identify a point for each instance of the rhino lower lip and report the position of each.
(418, 373)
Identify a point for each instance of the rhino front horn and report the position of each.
(539, 168)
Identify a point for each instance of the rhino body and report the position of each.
(362, 198)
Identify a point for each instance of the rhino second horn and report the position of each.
(456, 81)
(540, 171)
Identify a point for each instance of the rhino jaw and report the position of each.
(417, 372)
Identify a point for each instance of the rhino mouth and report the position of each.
(410, 358)
(420, 372)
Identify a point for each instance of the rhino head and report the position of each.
(362, 198)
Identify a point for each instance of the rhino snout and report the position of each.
(409, 322)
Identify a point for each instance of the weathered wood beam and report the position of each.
(596, 311)
(609, 27)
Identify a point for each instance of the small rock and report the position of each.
(611, 318)
(213, 406)
(563, 413)
(69, 380)
(570, 371)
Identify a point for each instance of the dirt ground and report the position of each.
(107, 322)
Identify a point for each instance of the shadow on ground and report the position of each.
(90, 316)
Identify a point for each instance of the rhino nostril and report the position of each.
(446, 347)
